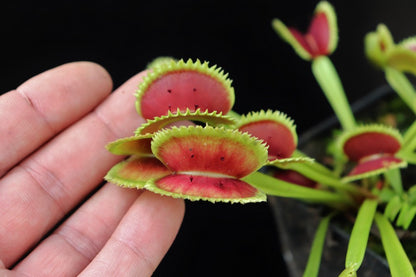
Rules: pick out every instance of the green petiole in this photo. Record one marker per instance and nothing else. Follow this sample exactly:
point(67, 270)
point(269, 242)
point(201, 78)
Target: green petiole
point(327, 77)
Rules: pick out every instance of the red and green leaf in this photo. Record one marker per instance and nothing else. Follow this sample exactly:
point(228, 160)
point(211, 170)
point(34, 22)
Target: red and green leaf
point(209, 150)
point(374, 165)
point(275, 129)
point(321, 37)
point(171, 85)
point(367, 140)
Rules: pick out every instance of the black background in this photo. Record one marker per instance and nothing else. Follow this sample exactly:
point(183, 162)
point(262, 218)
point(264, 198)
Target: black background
point(123, 36)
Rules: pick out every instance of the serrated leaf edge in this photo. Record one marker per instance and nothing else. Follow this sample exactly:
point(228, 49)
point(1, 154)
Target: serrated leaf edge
point(187, 115)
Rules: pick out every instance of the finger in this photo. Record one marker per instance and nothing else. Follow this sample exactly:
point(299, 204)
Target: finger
point(37, 193)
point(142, 238)
point(77, 241)
point(46, 104)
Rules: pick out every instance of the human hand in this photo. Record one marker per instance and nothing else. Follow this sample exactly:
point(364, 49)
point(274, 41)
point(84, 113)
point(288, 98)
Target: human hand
point(53, 219)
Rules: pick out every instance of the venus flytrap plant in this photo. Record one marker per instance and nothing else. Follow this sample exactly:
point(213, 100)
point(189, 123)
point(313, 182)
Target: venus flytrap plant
point(369, 155)
point(194, 146)
point(218, 161)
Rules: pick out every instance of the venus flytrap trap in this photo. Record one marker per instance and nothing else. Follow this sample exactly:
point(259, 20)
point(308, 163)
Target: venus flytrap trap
point(202, 161)
point(277, 130)
point(321, 38)
point(185, 85)
point(316, 45)
point(373, 149)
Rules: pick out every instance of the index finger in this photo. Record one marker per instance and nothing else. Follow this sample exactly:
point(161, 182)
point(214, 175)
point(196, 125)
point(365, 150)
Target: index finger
point(45, 105)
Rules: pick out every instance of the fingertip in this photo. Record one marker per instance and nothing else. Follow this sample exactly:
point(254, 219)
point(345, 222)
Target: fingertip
point(93, 71)
point(97, 69)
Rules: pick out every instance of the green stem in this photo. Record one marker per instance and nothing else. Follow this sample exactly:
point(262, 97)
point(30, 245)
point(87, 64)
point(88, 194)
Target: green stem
point(276, 187)
point(359, 235)
point(327, 77)
point(314, 260)
point(399, 82)
point(396, 256)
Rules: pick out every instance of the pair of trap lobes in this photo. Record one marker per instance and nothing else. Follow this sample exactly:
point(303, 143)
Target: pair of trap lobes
point(196, 162)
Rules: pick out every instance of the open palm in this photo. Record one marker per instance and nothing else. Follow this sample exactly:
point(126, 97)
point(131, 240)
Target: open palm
point(55, 218)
